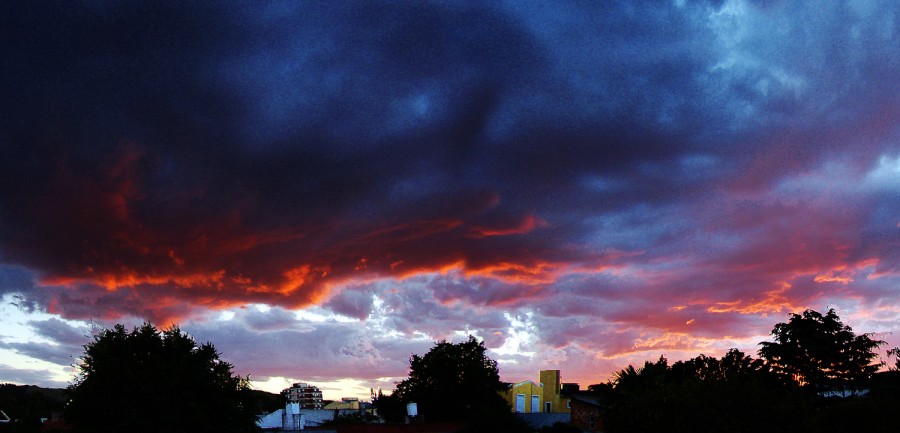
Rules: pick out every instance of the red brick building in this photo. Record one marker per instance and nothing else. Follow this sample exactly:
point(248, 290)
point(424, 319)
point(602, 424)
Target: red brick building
point(586, 411)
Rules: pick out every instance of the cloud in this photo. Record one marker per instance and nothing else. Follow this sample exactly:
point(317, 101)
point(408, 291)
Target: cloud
point(30, 376)
point(60, 332)
point(634, 176)
point(54, 354)
point(315, 351)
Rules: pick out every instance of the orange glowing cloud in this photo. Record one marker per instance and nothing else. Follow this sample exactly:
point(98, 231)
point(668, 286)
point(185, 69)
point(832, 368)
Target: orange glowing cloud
point(834, 277)
point(540, 273)
point(773, 301)
point(113, 282)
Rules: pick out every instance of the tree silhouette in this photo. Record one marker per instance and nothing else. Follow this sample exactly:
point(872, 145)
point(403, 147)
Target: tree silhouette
point(895, 352)
point(389, 407)
point(151, 381)
point(704, 394)
point(457, 382)
point(820, 352)
point(740, 394)
point(640, 398)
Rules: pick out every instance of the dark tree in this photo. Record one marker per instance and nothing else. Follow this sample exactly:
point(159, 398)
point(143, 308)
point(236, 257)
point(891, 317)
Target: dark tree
point(651, 374)
point(389, 407)
point(895, 352)
point(704, 394)
point(735, 366)
point(820, 352)
point(640, 399)
point(454, 382)
point(151, 381)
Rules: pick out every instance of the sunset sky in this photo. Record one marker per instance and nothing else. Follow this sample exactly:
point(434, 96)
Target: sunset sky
point(321, 190)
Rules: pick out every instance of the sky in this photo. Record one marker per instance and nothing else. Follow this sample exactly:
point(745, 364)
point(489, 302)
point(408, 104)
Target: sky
point(322, 190)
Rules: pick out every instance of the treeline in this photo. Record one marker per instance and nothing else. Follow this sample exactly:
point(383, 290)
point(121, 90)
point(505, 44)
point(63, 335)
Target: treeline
point(739, 394)
point(817, 376)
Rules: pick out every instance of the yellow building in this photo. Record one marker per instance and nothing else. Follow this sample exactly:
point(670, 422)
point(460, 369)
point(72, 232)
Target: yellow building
point(545, 396)
point(525, 396)
point(346, 403)
point(554, 401)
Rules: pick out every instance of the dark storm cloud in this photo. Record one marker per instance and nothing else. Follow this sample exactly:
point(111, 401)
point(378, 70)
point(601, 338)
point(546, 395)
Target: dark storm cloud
point(129, 159)
point(15, 279)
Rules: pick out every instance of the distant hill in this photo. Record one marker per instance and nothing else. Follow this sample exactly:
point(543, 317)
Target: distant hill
point(267, 402)
point(29, 403)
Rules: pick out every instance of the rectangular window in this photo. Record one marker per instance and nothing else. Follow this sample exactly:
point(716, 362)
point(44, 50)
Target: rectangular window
point(520, 403)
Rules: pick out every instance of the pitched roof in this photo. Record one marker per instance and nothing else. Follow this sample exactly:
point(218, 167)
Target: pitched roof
point(590, 399)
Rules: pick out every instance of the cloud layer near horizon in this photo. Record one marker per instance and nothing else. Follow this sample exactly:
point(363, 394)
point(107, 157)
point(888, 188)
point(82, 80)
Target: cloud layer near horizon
point(575, 184)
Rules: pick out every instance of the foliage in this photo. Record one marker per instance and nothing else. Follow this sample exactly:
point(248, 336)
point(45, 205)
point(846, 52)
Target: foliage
point(454, 382)
point(629, 380)
point(885, 385)
point(820, 352)
point(703, 394)
point(637, 398)
point(389, 407)
point(895, 352)
point(740, 394)
point(870, 415)
point(735, 366)
point(151, 381)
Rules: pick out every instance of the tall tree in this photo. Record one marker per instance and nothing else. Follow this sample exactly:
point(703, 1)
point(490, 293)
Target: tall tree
point(147, 381)
point(453, 382)
point(819, 351)
point(639, 399)
point(389, 407)
point(630, 380)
